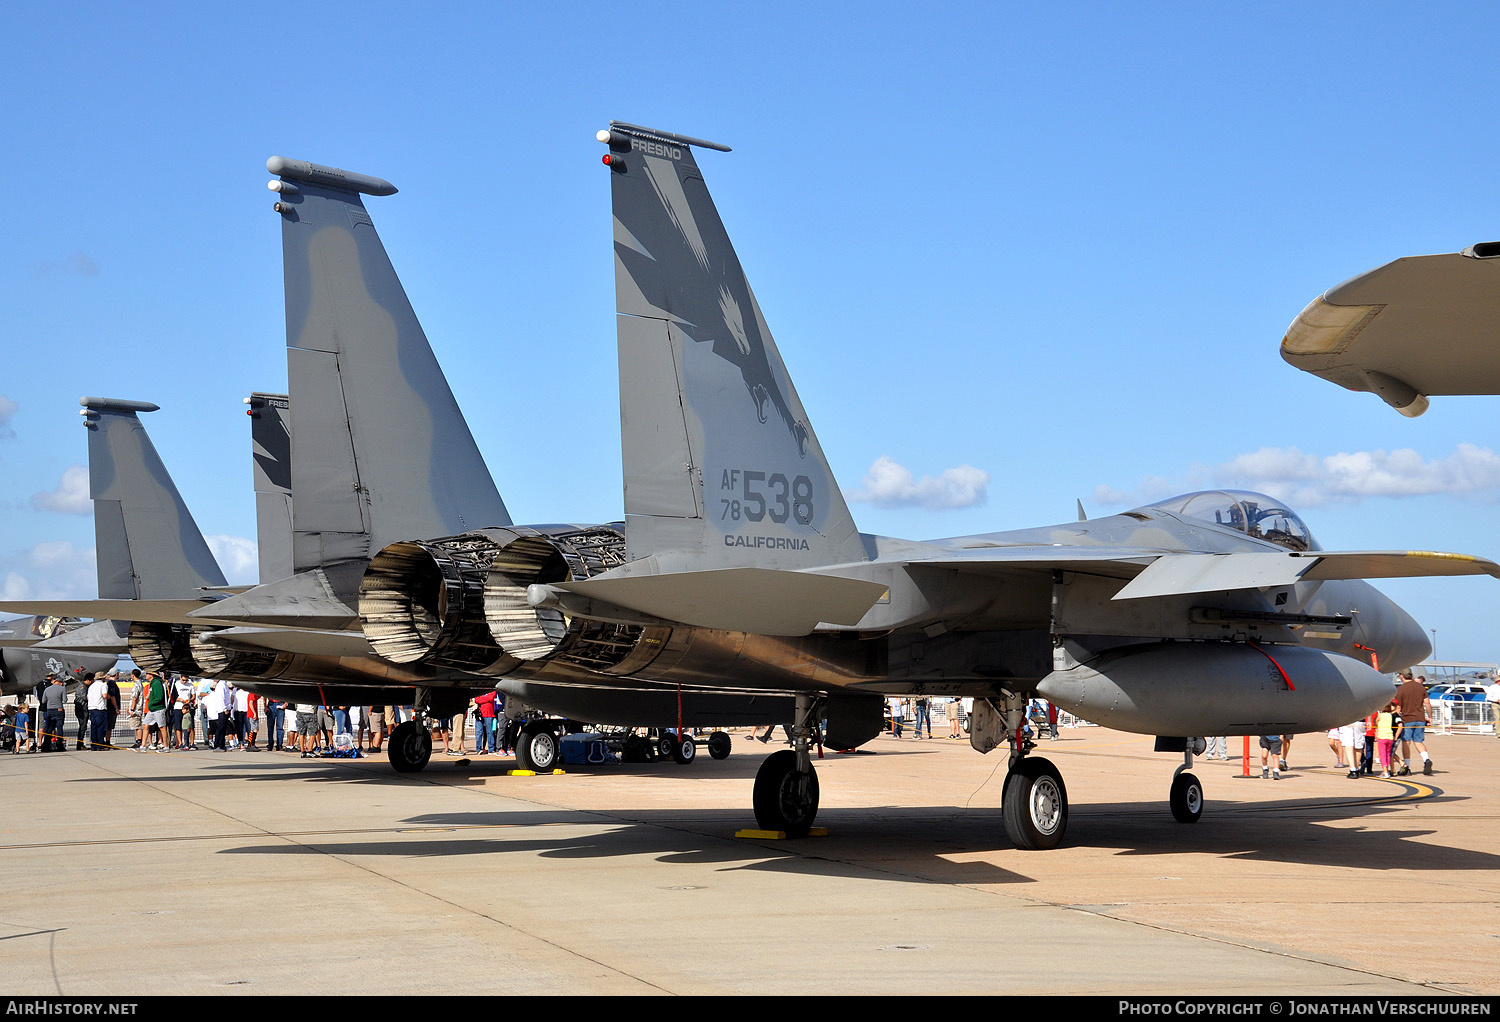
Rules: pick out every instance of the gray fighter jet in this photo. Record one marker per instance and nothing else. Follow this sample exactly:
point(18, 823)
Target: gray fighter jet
point(369, 448)
point(26, 657)
point(1413, 328)
point(741, 568)
point(147, 547)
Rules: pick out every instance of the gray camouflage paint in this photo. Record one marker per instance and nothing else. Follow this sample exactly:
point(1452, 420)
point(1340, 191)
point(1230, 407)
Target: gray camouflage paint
point(380, 449)
point(734, 434)
point(148, 546)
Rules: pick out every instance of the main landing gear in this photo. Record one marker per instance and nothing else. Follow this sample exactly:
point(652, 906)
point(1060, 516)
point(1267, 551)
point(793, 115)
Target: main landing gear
point(786, 785)
point(409, 746)
point(1035, 804)
point(1034, 800)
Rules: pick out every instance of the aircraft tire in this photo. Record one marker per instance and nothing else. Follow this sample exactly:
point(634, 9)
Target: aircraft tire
point(1186, 798)
point(522, 750)
point(719, 744)
point(409, 747)
point(543, 749)
point(666, 746)
point(685, 751)
point(785, 799)
point(1035, 805)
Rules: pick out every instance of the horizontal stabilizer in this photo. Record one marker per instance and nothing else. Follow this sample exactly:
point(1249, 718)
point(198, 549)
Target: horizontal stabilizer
point(764, 601)
point(1177, 574)
point(306, 600)
point(292, 640)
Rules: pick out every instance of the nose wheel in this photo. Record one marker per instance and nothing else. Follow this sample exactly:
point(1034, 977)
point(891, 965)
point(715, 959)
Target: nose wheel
point(1186, 797)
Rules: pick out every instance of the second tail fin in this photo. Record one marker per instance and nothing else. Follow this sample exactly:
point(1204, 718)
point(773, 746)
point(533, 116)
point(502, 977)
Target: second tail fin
point(380, 451)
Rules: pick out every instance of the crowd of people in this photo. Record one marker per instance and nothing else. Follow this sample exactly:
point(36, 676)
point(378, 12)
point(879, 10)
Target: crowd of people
point(174, 713)
point(1386, 737)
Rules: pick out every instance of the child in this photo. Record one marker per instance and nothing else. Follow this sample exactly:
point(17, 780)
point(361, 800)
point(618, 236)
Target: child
point(22, 724)
point(1386, 729)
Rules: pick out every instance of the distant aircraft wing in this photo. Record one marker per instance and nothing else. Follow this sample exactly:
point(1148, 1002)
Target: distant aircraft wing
point(155, 611)
point(1414, 327)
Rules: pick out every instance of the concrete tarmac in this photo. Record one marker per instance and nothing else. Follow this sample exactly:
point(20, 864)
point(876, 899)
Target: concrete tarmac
point(207, 873)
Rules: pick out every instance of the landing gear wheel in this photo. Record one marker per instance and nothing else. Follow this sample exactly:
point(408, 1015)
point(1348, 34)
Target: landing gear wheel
point(1035, 805)
point(685, 751)
point(522, 750)
point(785, 799)
point(543, 750)
point(718, 745)
point(666, 746)
point(410, 747)
point(1186, 798)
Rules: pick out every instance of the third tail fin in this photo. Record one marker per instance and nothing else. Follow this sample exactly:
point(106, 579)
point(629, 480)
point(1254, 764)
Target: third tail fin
point(147, 544)
point(380, 450)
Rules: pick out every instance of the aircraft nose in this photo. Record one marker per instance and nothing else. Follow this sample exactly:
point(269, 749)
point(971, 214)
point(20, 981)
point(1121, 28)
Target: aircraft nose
point(1408, 644)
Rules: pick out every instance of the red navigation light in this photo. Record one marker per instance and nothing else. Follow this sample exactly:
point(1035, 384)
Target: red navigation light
point(606, 159)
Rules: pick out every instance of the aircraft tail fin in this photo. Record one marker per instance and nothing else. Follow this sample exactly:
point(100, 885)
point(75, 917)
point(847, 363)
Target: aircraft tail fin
point(148, 546)
point(380, 451)
point(722, 468)
point(271, 454)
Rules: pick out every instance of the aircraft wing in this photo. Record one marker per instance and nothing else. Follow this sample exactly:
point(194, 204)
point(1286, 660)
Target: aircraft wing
point(1413, 327)
point(1176, 574)
point(762, 600)
point(776, 602)
point(155, 611)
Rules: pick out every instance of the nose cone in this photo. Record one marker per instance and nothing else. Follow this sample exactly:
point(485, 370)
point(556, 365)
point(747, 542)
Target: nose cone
point(1405, 642)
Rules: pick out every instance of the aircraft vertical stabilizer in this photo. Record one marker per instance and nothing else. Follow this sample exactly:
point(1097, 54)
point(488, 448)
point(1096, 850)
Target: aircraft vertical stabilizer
point(722, 468)
point(271, 454)
point(381, 452)
point(148, 546)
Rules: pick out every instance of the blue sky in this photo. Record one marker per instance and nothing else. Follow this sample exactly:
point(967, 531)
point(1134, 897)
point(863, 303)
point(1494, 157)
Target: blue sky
point(1049, 252)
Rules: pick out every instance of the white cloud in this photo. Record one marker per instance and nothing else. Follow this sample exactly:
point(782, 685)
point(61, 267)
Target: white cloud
point(8, 410)
point(238, 556)
point(49, 571)
point(888, 484)
point(71, 495)
point(1308, 480)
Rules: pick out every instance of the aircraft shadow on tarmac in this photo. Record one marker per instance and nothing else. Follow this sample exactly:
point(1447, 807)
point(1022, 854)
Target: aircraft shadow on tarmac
point(919, 844)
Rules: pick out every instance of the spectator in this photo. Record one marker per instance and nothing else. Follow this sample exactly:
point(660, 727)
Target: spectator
point(1416, 711)
point(137, 708)
point(98, 712)
point(54, 698)
point(486, 723)
point(81, 710)
point(250, 722)
point(275, 725)
point(307, 728)
point(21, 722)
point(1270, 749)
point(182, 713)
point(377, 727)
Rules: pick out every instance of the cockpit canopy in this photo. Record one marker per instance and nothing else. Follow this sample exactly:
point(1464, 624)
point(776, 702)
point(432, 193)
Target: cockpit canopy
point(1254, 514)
